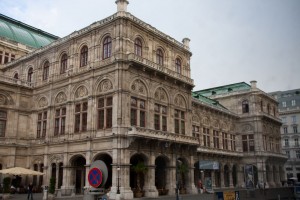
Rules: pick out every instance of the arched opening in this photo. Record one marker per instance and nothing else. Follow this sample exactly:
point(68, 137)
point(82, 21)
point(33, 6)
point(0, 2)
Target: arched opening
point(137, 173)
point(226, 176)
point(234, 175)
point(108, 162)
point(78, 173)
point(197, 173)
point(161, 176)
point(182, 170)
point(274, 174)
point(268, 173)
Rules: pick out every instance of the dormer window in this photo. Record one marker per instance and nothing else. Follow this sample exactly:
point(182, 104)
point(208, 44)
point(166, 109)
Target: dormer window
point(245, 106)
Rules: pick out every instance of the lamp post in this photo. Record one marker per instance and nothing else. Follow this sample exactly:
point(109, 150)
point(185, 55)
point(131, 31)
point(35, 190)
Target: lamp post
point(118, 188)
point(177, 189)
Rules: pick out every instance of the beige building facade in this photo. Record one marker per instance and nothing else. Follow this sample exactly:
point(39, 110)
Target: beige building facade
point(119, 91)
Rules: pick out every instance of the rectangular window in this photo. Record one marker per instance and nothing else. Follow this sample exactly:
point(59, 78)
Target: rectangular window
point(286, 142)
point(6, 58)
point(206, 137)
point(293, 102)
point(298, 154)
point(294, 119)
point(248, 143)
point(216, 139)
point(60, 121)
point(295, 129)
point(160, 117)
point(195, 130)
point(138, 112)
point(284, 104)
point(283, 119)
point(285, 130)
point(296, 142)
point(179, 121)
point(42, 124)
point(104, 113)
point(3, 118)
point(232, 142)
point(288, 154)
point(12, 57)
point(81, 117)
point(225, 141)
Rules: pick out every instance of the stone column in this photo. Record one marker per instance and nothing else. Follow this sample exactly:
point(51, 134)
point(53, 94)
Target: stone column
point(222, 179)
point(38, 177)
point(56, 175)
point(213, 179)
point(149, 188)
point(230, 177)
point(240, 176)
point(191, 188)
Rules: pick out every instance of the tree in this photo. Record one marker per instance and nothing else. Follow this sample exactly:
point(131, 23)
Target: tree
point(140, 169)
point(6, 184)
point(52, 185)
point(182, 170)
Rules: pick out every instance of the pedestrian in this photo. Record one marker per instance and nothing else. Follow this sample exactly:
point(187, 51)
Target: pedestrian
point(30, 187)
point(200, 186)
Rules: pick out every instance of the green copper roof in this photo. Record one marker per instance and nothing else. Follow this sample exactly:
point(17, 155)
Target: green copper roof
point(23, 33)
point(208, 101)
point(236, 87)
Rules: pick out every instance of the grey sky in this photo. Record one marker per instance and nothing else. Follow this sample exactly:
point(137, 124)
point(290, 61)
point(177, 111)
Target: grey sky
point(231, 40)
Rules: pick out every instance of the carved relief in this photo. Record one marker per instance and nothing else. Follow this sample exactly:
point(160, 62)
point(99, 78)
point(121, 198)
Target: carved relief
point(179, 101)
point(56, 158)
point(161, 95)
point(61, 97)
point(195, 118)
point(81, 92)
point(3, 100)
point(205, 121)
point(105, 86)
point(139, 87)
point(247, 128)
point(43, 102)
point(215, 123)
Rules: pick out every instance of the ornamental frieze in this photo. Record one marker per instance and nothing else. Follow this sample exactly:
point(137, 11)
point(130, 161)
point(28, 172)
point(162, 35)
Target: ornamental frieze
point(81, 92)
point(105, 86)
point(61, 97)
point(138, 87)
point(161, 95)
point(43, 102)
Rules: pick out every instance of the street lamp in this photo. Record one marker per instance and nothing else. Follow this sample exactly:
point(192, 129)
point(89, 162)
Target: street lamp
point(177, 189)
point(118, 188)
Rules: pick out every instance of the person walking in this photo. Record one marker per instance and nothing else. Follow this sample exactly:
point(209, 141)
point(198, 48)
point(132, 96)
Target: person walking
point(30, 187)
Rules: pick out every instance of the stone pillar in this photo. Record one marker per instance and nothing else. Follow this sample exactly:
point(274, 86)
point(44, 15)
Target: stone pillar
point(38, 177)
point(56, 175)
point(171, 185)
point(149, 188)
point(213, 179)
point(240, 176)
point(230, 177)
point(222, 179)
point(191, 188)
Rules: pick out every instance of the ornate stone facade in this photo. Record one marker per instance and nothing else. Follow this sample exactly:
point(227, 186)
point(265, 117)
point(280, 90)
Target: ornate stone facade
point(124, 103)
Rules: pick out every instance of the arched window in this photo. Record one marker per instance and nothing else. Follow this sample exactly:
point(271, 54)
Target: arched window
point(178, 65)
point(107, 47)
point(29, 74)
point(63, 63)
point(138, 47)
point(46, 70)
point(245, 106)
point(16, 76)
point(83, 56)
point(159, 57)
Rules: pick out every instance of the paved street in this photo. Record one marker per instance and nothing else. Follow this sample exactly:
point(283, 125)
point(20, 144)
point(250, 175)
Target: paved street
point(39, 196)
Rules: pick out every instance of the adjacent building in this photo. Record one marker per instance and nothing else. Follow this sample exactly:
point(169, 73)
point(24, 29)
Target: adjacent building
point(120, 91)
point(289, 112)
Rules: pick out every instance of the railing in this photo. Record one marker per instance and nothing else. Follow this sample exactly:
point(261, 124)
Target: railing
point(153, 65)
point(161, 135)
point(11, 80)
point(219, 151)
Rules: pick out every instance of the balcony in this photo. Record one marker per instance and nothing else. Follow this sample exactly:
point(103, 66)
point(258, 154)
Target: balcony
point(11, 80)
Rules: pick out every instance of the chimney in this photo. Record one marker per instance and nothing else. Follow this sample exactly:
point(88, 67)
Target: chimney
point(253, 84)
point(122, 5)
point(186, 43)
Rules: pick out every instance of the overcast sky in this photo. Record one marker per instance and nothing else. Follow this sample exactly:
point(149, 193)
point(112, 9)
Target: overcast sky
point(231, 40)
